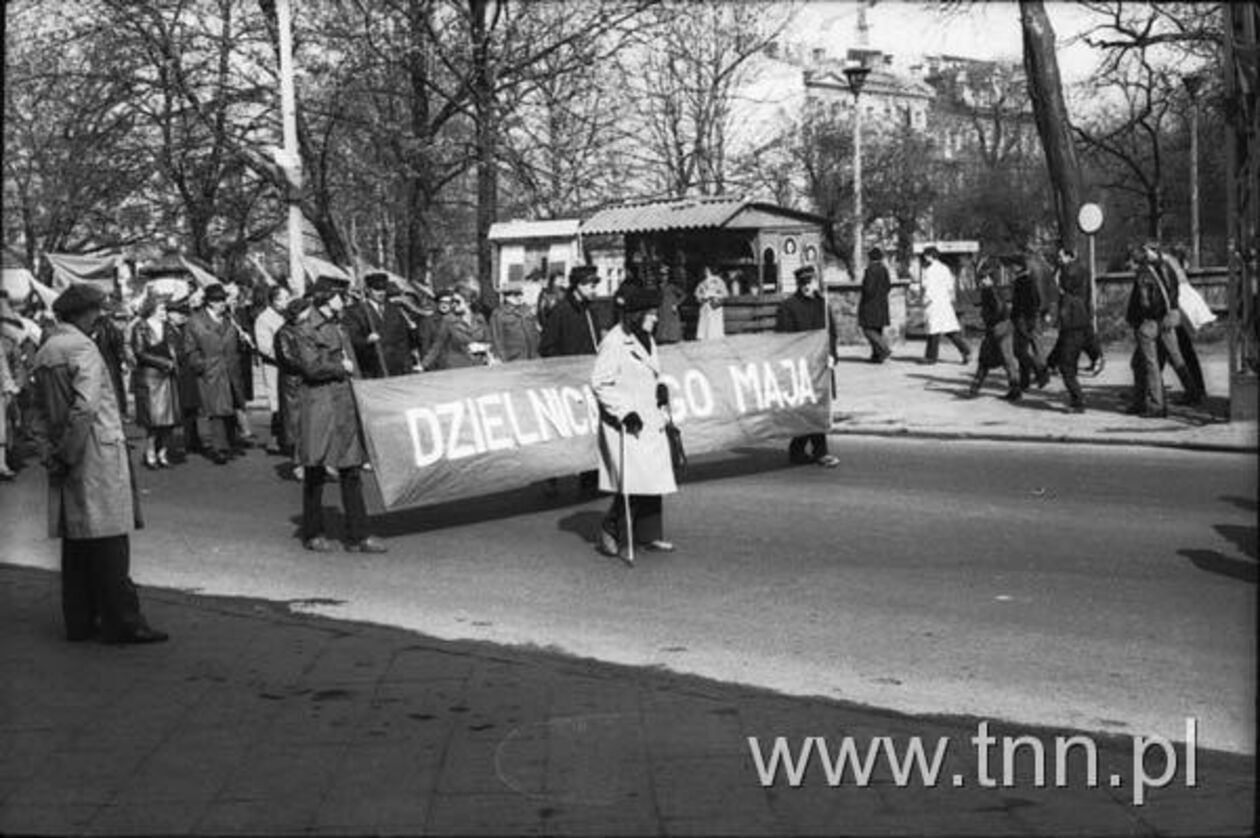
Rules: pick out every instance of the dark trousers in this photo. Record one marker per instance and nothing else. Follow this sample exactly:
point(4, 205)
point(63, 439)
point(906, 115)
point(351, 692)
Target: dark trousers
point(1072, 342)
point(1192, 378)
point(816, 442)
point(934, 346)
point(879, 346)
point(351, 482)
point(95, 587)
point(192, 437)
point(1027, 350)
point(998, 348)
point(1148, 382)
point(647, 514)
point(219, 433)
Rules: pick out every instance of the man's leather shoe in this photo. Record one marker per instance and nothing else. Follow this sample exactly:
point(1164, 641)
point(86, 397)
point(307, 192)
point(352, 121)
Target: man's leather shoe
point(1013, 395)
point(660, 546)
point(371, 544)
point(138, 635)
point(218, 458)
point(318, 544)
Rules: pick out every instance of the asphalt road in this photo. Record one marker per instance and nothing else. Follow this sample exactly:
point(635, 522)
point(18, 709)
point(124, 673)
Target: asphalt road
point(1096, 587)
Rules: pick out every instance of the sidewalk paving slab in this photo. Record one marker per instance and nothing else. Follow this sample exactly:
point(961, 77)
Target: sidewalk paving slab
point(202, 736)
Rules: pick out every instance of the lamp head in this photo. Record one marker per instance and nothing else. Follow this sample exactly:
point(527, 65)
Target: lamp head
point(855, 75)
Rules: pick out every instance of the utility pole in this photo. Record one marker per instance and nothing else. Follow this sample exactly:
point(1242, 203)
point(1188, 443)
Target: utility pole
point(291, 160)
point(856, 75)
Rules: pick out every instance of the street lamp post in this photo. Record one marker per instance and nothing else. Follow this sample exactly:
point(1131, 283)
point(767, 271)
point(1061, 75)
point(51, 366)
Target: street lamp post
point(855, 75)
point(1192, 83)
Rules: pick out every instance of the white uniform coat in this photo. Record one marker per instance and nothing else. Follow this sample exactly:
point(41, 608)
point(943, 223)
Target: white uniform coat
point(938, 300)
point(624, 381)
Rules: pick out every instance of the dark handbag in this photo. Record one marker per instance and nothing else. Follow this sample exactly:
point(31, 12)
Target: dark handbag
point(677, 454)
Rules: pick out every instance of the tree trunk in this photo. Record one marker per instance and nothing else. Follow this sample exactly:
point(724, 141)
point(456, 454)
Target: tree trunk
point(413, 251)
point(1045, 88)
point(487, 173)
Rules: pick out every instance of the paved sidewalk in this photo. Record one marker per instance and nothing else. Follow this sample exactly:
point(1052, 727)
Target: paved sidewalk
point(907, 397)
point(256, 720)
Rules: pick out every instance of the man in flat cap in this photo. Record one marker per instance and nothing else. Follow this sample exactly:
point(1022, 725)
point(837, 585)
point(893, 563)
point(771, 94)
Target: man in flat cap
point(382, 336)
point(92, 502)
point(329, 435)
point(805, 311)
point(210, 346)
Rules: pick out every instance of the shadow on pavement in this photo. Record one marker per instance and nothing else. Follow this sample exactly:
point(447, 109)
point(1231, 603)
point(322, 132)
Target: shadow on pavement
point(1216, 562)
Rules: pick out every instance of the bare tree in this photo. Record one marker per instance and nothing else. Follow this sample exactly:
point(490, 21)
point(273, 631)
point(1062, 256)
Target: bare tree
point(684, 80)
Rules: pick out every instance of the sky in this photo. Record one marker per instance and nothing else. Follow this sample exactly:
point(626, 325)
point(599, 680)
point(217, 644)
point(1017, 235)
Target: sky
point(978, 30)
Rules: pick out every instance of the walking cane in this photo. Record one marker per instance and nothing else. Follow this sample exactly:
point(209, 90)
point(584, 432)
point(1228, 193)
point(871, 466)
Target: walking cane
point(625, 499)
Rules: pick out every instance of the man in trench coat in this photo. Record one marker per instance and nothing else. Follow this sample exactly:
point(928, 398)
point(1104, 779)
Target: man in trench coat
point(210, 345)
point(92, 505)
point(328, 428)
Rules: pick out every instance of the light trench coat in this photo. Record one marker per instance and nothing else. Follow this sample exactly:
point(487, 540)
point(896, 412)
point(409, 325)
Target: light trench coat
point(938, 300)
point(79, 426)
point(711, 293)
point(624, 381)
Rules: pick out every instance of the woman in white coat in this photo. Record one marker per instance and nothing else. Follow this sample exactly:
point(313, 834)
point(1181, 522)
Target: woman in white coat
point(711, 294)
point(938, 307)
point(634, 458)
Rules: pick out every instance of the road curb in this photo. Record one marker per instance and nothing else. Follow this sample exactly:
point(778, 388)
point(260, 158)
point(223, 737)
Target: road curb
point(904, 433)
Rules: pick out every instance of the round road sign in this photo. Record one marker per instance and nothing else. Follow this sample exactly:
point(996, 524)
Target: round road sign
point(1089, 218)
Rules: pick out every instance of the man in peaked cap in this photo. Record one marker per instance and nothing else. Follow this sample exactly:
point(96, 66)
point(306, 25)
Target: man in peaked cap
point(806, 311)
point(383, 338)
point(93, 503)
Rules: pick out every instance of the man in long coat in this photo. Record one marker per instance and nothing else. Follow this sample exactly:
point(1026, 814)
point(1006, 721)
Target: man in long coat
point(872, 313)
point(1027, 314)
point(328, 430)
point(92, 504)
point(210, 346)
point(382, 336)
point(805, 311)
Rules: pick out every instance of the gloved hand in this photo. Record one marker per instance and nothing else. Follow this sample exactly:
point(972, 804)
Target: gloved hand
point(633, 423)
point(662, 394)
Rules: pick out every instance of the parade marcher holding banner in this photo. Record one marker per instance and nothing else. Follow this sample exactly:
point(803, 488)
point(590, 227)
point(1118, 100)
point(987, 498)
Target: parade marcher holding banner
point(92, 501)
point(210, 344)
point(268, 322)
point(634, 455)
point(380, 333)
point(514, 330)
point(329, 435)
point(805, 311)
point(155, 382)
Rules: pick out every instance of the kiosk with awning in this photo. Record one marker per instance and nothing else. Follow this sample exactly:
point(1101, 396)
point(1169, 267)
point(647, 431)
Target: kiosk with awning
point(756, 245)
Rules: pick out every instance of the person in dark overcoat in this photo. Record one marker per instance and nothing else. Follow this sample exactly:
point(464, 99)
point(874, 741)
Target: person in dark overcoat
point(569, 328)
point(997, 348)
point(462, 339)
point(155, 382)
point(289, 377)
point(329, 435)
point(872, 312)
point(806, 311)
point(112, 343)
point(1026, 317)
point(210, 345)
point(92, 499)
point(382, 336)
point(1076, 335)
point(513, 326)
